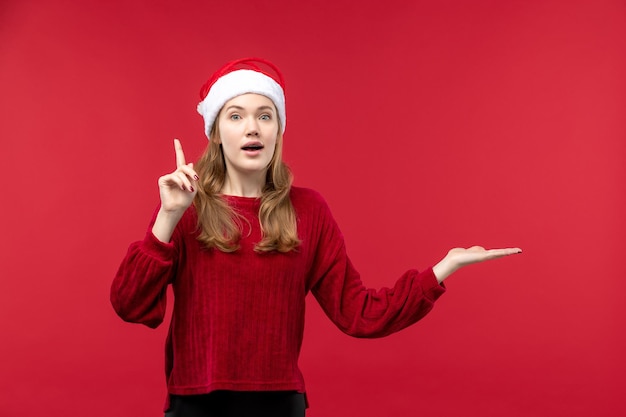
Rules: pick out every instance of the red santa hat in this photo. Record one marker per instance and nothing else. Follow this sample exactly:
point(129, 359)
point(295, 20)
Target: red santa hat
point(246, 75)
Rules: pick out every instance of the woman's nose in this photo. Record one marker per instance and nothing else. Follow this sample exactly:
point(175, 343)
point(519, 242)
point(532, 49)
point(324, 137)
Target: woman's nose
point(252, 127)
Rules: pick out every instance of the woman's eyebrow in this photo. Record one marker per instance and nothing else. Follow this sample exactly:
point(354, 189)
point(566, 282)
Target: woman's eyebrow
point(241, 108)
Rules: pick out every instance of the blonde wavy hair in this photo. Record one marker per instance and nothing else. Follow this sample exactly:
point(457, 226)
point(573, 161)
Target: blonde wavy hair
point(221, 227)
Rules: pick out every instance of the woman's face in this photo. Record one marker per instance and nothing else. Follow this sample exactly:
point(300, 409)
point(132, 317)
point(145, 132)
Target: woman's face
point(248, 128)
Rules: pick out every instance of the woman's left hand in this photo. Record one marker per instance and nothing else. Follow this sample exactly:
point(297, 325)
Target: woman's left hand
point(460, 257)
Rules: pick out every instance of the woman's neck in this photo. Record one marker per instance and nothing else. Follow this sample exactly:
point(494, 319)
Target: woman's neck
point(244, 185)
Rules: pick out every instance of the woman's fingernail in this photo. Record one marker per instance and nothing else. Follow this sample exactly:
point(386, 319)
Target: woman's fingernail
point(195, 177)
point(191, 189)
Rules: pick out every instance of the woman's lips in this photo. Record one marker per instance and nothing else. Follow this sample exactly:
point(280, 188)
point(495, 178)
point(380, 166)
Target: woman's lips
point(252, 148)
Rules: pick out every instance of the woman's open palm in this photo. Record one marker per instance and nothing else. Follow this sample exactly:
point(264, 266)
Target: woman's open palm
point(460, 257)
point(475, 254)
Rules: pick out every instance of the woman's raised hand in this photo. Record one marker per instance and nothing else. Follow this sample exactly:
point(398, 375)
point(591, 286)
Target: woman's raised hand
point(178, 188)
point(460, 257)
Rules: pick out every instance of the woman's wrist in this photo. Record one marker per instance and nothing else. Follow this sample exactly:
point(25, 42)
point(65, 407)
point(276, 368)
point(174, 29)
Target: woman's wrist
point(443, 269)
point(165, 224)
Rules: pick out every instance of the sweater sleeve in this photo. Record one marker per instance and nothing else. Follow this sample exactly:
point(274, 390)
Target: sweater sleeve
point(364, 312)
point(138, 291)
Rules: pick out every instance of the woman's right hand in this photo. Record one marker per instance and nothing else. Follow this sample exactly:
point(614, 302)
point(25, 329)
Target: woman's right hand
point(177, 190)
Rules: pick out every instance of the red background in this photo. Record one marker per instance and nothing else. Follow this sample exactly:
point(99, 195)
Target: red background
point(426, 125)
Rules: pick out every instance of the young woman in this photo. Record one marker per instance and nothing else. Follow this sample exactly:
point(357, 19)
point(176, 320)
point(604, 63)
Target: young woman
point(241, 248)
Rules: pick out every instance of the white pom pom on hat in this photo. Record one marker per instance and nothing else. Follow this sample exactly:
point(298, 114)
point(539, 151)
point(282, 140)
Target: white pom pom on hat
point(242, 76)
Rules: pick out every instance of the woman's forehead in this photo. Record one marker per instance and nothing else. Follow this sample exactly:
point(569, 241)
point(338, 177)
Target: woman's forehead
point(250, 100)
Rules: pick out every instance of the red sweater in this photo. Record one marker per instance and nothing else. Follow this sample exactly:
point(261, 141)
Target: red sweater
point(238, 317)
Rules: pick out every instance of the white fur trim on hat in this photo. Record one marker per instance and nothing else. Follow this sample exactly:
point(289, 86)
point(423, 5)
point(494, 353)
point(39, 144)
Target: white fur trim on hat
point(235, 84)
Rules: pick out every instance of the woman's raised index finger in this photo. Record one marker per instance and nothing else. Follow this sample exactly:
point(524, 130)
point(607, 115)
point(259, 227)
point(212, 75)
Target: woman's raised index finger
point(180, 155)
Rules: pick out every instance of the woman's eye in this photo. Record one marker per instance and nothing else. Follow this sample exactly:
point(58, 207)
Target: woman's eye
point(265, 117)
point(235, 117)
